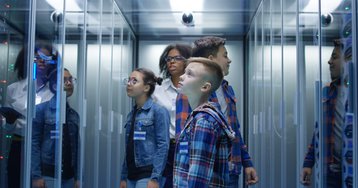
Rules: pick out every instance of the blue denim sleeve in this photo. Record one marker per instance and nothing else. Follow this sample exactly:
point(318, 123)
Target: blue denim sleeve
point(124, 173)
point(162, 121)
point(37, 132)
point(76, 144)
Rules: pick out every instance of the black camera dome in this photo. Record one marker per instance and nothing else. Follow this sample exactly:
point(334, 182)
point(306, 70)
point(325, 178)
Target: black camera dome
point(187, 18)
point(326, 19)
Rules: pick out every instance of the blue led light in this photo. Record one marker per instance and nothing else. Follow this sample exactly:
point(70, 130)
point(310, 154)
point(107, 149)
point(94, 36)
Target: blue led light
point(35, 67)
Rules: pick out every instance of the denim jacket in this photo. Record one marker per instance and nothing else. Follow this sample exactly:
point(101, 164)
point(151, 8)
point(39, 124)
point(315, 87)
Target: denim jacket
point(154, 120)
point(45, 136)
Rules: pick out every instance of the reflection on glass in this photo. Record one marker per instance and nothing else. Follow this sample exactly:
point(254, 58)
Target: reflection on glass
point(334, 100)
point(45, 134)
point(15, 107)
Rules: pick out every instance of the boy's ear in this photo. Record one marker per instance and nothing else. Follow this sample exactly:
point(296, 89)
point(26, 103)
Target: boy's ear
point(206, 87)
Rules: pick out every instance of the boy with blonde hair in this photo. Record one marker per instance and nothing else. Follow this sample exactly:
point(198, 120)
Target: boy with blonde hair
point(203, 146)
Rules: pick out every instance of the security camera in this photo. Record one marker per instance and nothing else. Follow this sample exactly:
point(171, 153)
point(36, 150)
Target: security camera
point(326, 19)
point(188, 19)
point(56, 16)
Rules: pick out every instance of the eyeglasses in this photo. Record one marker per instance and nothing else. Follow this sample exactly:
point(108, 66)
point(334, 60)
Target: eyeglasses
point(70, 79)
point(130, 81)
point(45, 58)
point(175, 58)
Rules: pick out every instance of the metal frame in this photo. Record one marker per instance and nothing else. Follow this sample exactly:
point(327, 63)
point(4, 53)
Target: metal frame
point(355, 90)
point(26, 178)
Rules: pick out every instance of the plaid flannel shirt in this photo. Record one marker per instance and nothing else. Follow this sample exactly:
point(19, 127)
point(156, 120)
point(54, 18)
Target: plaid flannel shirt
point(329, 99)
point(239, 154)
point(202, 150)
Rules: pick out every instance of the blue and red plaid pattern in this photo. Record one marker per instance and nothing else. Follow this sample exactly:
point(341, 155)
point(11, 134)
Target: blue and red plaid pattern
point(329, 99)
point(202, 150)
point(239, 154)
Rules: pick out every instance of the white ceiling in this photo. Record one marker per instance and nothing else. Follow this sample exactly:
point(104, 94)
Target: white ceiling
point(156, 19)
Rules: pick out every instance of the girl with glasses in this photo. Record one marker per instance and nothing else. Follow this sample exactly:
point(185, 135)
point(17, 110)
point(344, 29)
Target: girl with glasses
point(147, 134)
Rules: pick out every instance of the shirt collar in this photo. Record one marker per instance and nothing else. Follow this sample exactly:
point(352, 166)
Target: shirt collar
point(148, 104)
point(168, 84)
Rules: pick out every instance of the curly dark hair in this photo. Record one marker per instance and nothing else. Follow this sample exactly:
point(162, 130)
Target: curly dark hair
point(184, 50)
point(206, 46)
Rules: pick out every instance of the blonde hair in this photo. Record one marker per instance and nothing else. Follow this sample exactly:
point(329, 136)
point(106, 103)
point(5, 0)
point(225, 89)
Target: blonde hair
point(214, 70)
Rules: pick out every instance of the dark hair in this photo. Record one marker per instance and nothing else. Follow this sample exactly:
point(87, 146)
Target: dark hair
point(213, 69)
point(52, 78)
point(150, 79)
point(206, 46)
point(347, 53)
point(184, 50)
point(20, 63)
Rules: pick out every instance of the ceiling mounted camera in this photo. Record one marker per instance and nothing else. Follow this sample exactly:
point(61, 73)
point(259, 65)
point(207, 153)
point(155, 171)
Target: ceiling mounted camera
point(188, 19)
point(56, 16)
point(326, 19)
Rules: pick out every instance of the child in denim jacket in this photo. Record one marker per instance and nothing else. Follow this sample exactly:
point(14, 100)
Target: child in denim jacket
point(147, 134)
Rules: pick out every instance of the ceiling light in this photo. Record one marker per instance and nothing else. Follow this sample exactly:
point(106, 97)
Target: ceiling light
point(71, 5)
point(187, 5)
point(312, 6)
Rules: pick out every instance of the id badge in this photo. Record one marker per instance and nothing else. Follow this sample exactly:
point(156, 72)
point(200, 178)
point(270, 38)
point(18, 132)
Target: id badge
point(183, 148)
point(139, 135)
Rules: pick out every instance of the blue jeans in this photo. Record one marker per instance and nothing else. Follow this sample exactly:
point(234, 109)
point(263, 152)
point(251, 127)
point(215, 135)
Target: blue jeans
point(168, 172)
point(50, 182)
point(142, 183)
point(234, 181)
point(333, 180)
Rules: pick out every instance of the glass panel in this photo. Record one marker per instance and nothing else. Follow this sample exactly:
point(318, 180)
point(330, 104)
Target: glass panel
point(250, 82)
point(14, 48)
point(93, 42)
point(267, 175)
point(251, 106)
point(290, 94)
point(118, 90)
point(105, 71)
point(337, 111)
point(309, 73)
point(277, 102)
point(50, 161)
point(74, 64)
point(259, 145)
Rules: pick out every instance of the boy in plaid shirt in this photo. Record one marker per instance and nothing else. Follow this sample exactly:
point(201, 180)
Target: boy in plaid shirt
point(203, 146)
point(214, 49)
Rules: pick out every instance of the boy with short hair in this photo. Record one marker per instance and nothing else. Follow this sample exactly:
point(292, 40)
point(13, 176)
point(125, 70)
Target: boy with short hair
point(203, 146)
point(213, 48)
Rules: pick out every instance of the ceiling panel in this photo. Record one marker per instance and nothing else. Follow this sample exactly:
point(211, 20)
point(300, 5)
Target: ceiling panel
point(155, 18)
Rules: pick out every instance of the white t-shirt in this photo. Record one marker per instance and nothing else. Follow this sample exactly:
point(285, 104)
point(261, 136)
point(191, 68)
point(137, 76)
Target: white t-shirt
point(16, 98)
point(165, 95)
point(221, 98)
